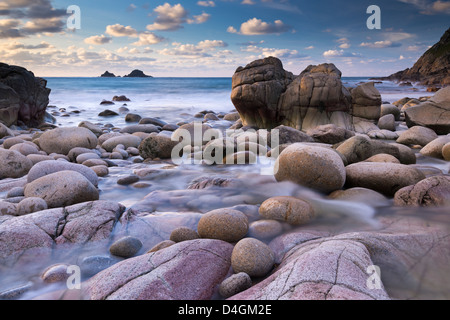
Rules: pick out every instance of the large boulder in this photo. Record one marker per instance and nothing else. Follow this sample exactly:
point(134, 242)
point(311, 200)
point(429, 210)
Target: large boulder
point(62, 140)
point(62, 189)
point(433, 114)
point(318, 168)
point(24, 97)
point(266, 96)
point(188, 270)
point(433, 191)
point(256, 91)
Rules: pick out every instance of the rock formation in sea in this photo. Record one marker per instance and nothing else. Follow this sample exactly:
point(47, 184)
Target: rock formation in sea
point(24, 97)
point(108, 74)
point(137, 74)
point(433, 68)
point(267, 96)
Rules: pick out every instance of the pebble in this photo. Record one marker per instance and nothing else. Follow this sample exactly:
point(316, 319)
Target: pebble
point(287, 209)
point(223, 224)
point(183, 234)
point(253, 257)
point(162, 245)
point(56, 273)
point(125, 181)
point(265, 229)
point(31, 205)
point(235, 284)
point(126, 247)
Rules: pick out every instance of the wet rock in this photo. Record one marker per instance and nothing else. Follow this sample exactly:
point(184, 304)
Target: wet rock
point(92, 127)
point(86, 156)
point(326, 171)
point(36, 158)
point(31, 205)
point(183, 234)
point(387, 122)
point(417, 135)
point(288, 135)
point(126, 140)
point(386, 178)
point(108, 113)
point(435, 148)
point(63, 188)
point(13, 164)
point(382, 157)
point(235, 284)
point(223, 224)
point(446, 152)
point(26, 148)
point(15, 192)
point(146, 128)
point(55, 273)
point(188, 270)
point(92, 265)
point(34, 237)
point(252, 257)
point(287, 209)
point(8, 143)
point(390, 109)
point(75, 152)
point(120, 99)
point(125, 181)
point(363, 195)
point(433, 191)
point(62, 140)
point(7, 208)
point(126, 247)
point(265, 229)
point(100, 171)
point(330, 134)
point(194, 134)
point(153, 121)
point(45, 168)
point(157, 146)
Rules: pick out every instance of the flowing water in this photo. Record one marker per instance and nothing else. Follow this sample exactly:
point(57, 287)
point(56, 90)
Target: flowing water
point(178, 99)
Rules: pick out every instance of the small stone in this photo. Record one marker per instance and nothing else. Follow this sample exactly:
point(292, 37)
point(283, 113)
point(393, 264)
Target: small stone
point(446, 152)
point(265, 229)
point(417, 135)
point(92, 265)
point(15, 192)
point(131, 117)
point(31, 205)
point(183, 234)
point(100, 171)
point(235, 284)
point(108, 113)
point(252, 257)
point(223, 224)
point(287, 209)
point(126, 247)
point(434, 148)
point(56, 273)
point(382, 157)
point(125, 181)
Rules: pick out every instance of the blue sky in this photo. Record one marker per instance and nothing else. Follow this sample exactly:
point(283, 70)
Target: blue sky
point(214, 37)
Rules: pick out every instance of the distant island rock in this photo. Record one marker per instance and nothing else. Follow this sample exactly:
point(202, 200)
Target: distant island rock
point(137, 74)
point(433, 68)
point(108, 74)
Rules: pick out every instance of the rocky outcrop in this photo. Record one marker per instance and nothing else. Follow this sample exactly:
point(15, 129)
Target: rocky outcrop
point(23, 97)
point(108, 74)
point(433, 68)
point(433, 114)
point(137, 74)
point(267, 96)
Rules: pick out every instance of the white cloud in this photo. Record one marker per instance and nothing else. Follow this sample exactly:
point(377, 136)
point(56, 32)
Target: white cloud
point(202, 49)
point(199, 19)
point(98, 40)
point(309, 48)
point(206, 3)
point(258, 27)
point(340, 54)
point(148, 38)
point(118, 30)
point(380, 44)
point(168, 17)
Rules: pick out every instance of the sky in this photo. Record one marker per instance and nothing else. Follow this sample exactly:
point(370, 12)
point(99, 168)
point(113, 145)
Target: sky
point(212, 38)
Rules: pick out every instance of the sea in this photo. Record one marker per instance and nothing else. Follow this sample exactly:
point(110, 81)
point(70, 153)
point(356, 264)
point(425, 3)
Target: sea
point(169, 99)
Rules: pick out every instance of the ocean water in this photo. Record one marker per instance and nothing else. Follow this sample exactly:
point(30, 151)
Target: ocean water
point(170, 99)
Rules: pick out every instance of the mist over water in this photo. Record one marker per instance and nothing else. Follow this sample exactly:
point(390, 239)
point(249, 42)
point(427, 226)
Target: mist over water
point(178, 99)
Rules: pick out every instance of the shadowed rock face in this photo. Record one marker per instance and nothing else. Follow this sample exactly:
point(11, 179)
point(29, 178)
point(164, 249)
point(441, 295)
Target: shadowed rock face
point(266, 96)
point(24, 96)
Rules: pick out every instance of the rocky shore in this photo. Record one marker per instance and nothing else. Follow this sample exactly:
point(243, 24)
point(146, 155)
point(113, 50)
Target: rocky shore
point(353, 183)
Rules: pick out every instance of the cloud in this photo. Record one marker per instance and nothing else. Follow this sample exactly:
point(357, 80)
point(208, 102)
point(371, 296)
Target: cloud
point(18, 45)
point(428, 7)
point(273, 52)
point(202, 49)
point(168, 17)
point(98, 40)
point(340, 54)
point(206, 3)
point(309, 48)
point(148, 38)
point(118, 30)
point(258, 27)
point(380, 44)
point(199, 19)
